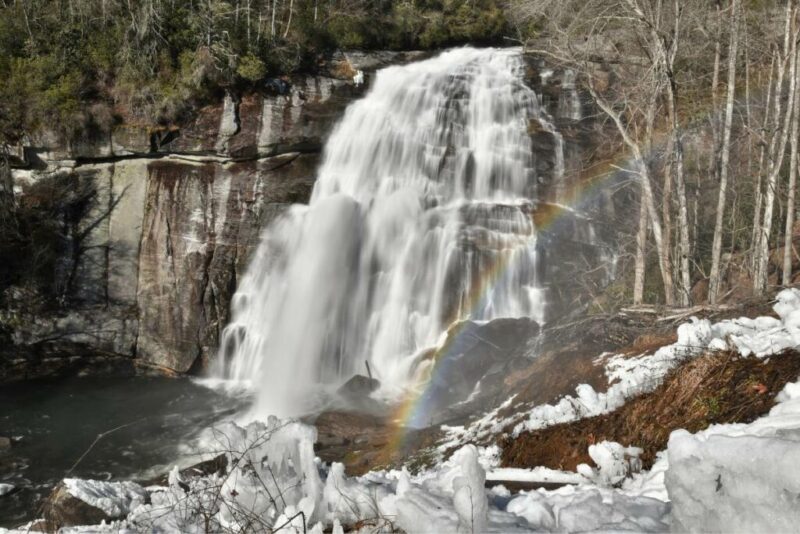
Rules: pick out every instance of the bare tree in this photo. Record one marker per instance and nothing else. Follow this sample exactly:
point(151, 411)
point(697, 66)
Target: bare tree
point(577, 36)
point(716, 248)
point(777, 144)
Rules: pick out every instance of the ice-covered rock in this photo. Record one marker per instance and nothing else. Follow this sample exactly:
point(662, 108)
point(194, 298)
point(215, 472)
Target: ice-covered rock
point(90, 502)
point(115, 499)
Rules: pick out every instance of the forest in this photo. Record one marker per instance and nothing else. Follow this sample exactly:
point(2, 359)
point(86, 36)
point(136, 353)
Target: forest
point(75, 63)
point(702, 96)
point(401, 266)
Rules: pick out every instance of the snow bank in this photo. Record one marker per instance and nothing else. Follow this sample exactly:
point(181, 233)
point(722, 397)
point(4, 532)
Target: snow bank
point(273, 482)
point(741, 477)
point(760, 337)
point(536, 474)
point(587, 509)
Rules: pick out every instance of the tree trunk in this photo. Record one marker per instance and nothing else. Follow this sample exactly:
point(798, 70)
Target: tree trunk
point(641, 235)
point(644, 177)
point(289, 21)
point(758, 192)
point(680, 184)
point(715, 114)
point(666, 194)
point(272, 24)
point(716, 247)
point(788, 248)
point(639, 262)
point(668, 57)
point(778, 147)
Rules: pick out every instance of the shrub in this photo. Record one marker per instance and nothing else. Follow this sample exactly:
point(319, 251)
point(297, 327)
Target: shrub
point(251, 68)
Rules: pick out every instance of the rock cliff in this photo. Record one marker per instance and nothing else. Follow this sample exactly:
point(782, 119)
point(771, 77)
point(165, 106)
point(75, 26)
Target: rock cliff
point(173, 216)
point(150, 267)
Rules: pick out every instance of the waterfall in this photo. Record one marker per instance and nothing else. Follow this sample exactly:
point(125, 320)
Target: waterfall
point(420, 216)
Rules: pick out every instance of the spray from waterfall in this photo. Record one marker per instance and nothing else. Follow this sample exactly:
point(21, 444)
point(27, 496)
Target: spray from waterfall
point(420, 217)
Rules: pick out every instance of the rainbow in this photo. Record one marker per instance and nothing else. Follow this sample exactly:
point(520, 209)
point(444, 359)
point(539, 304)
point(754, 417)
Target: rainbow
point(414, 410)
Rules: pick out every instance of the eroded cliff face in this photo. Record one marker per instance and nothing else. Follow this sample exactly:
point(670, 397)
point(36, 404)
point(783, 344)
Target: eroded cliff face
point(200, 223)
point(174, 214)
point(152, 266)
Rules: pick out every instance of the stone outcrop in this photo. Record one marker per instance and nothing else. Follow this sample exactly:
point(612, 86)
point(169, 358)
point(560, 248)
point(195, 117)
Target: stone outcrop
point(200, 223)
point(174, 216)
point(62, 509)
point(177, 211)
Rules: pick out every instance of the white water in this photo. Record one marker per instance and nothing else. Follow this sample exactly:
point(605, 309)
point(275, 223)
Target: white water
point(420, 216)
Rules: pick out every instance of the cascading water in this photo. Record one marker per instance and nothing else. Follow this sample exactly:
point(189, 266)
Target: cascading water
point(420, 217)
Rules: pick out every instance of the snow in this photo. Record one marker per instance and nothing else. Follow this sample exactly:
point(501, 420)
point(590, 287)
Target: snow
point(115, 499)
point(587, 508)
point(761, 337)
point(273, 481)
point(535, 475)
point(614, 463)
point(739, 477)
point(469, 496)
point(5, 488)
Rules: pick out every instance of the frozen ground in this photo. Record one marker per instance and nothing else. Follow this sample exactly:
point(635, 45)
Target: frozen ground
point(742, 477)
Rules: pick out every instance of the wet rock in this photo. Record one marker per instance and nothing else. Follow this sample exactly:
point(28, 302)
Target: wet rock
point(359, 386)
point(200, 225)
point(62, 509)
point(362, 441)
point(216, 465)
point(472, 364)
point(5, 443)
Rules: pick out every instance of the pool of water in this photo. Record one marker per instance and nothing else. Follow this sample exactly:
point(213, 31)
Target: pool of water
point(148, 421)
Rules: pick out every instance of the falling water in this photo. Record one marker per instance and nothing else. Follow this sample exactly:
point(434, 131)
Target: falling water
point(420, 216)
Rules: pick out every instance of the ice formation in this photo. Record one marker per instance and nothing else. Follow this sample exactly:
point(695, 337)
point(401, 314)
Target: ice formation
point(115, 499)
point(739, 477)
point(614, 463)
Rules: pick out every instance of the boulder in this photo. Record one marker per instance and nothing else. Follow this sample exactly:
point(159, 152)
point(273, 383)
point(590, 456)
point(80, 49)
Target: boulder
point(62, 509)
point(359, 386)
point(472, 363)
point(88, 502)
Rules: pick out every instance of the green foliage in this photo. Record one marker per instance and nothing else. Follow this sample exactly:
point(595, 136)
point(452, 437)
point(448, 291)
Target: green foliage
point(153, 61)
point(251, 68)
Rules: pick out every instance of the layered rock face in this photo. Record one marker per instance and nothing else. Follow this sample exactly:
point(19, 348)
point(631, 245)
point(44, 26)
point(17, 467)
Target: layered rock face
point(176, 213)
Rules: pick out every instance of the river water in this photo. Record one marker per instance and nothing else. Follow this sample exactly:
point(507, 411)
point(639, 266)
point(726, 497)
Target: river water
point(53, 423)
